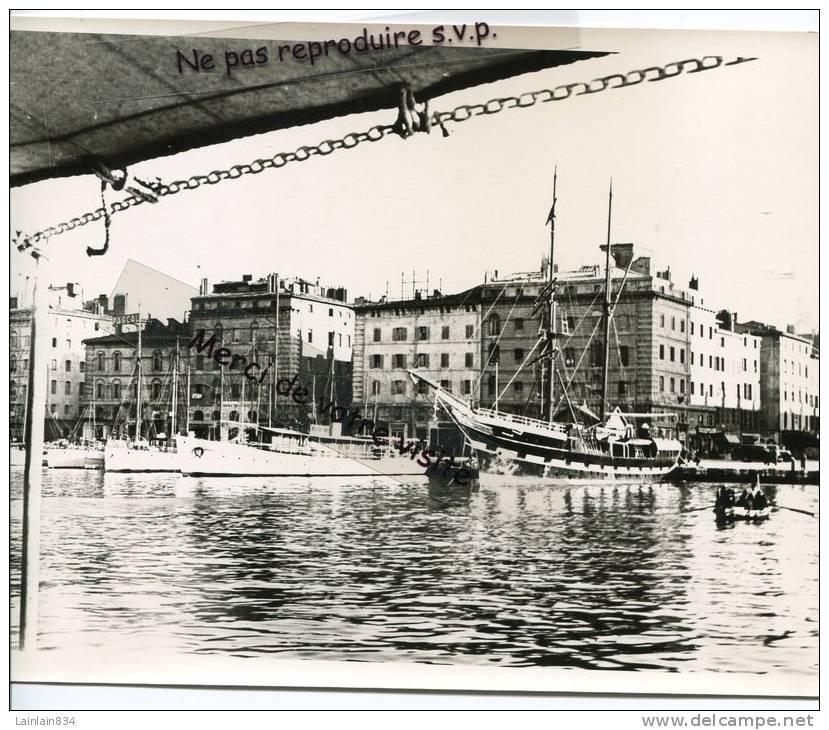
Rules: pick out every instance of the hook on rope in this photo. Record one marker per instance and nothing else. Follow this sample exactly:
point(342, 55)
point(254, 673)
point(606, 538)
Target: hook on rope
point(90, 251)
point(117, 179)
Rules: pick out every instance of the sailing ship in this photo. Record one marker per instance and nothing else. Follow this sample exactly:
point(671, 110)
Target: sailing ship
point(547, 451)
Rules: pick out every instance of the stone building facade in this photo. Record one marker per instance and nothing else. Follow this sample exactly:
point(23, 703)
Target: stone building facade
point(440, 335)
point(790, 396)
point(69, 324)
point(111, 385)
point(312, 336)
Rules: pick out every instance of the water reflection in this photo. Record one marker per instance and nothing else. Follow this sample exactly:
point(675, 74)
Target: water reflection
point(601, 577)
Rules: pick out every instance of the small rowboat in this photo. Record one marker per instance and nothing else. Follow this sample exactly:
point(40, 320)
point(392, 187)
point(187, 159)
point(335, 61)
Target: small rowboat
point(741, 514)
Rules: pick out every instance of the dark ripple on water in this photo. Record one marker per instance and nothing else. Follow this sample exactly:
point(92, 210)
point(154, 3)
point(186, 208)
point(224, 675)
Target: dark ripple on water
point(591, 577)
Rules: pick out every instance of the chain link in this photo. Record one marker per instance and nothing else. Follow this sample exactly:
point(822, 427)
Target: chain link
point(459, 114)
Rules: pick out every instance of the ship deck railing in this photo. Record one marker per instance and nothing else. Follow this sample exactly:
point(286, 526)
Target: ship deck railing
point(522, 420)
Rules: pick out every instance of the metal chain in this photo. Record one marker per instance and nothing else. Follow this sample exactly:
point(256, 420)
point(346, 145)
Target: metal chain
point(457, 115)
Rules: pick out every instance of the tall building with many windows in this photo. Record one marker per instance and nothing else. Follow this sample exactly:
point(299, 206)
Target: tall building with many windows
point(789, 363)
point(69, 323)
point(439, 335)
point(286, 326)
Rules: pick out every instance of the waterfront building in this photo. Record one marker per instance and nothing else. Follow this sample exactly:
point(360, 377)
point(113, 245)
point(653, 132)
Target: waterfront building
point(438, 334)
point(790, 399)
point(659, 359)
point(313, 334)
point(111, 383)
point(69, 323)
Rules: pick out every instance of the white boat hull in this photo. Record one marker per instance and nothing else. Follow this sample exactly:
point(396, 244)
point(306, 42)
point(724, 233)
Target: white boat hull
point(125, 458)
point(199, 457)
point(81, 458)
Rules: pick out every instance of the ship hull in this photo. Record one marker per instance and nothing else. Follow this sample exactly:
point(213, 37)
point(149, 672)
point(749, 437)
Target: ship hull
point(199, 457)
point(123, 458)
point(510, 452)
point(74, 458)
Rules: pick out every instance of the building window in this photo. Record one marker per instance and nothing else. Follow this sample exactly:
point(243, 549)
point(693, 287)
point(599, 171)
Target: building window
point(662, 352)
point(470, 330)
point(711, 389)
point(673, 385)
point(376, 361)
point(661, 320)
point(67, 388)
point(710, 333)
point(519, 324)
point(466, 387)
point(469, 360)
point(377, 334)
point(331, 339)
point(494, 325)
point(81, 389)
point(330, 311)
point(116, 362)
point(490, 385)
point(682, 356)
point(569, 357)
point(682, 385)
point(199, 362)
point(422, 360)
point(444, 359)
point(12, 364)
point(375, 387)
point(398, 387)
point(722, 341)
point(158, 361)
point(710, 361)
point(99, 390)
point(672, 354)
point(53, 409)
point(661, 383)
point(398, 334)
point(68, 366)
point(155, 390)
point(692, 387)
point(493, 354)
point(198, 415)
point(682, 325)
point(54, 342)
point(446, 385)
point(673, 323)
point(518, 354)
point(518, 388)
point(422, 333)
point(444, 333)
point(116, 389)
point(310, 336)
point(624, 355)
point(692, 328)
point(623, 387)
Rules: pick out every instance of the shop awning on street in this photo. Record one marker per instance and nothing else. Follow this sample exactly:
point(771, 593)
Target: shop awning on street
point(121, 99)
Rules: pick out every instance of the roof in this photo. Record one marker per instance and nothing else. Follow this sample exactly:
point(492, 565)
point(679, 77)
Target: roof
point(155, 333)
point(468, 296)
point(122, 99)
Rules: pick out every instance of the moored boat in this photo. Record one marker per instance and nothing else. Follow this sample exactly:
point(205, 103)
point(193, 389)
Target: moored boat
point(293, 453)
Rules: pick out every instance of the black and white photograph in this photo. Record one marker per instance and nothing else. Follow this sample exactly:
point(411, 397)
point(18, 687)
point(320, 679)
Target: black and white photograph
point(414, 356)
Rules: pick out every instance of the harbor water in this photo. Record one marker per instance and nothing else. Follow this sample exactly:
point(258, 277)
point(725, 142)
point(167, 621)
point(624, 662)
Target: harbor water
point(592, 577)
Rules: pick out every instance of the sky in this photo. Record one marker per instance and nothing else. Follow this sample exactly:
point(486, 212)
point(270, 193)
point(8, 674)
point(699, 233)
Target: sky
point(714, 174)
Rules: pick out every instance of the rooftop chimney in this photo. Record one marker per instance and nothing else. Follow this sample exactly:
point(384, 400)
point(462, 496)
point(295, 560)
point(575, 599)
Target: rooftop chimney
point(694, 283)
point(203, 287)
point(622, 254)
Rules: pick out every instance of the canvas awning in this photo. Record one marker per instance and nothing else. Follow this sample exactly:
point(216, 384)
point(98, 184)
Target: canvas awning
point(120, 99)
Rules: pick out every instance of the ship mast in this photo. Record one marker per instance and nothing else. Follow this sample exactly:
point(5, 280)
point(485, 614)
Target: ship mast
point(606, 307)
point(551, 331)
